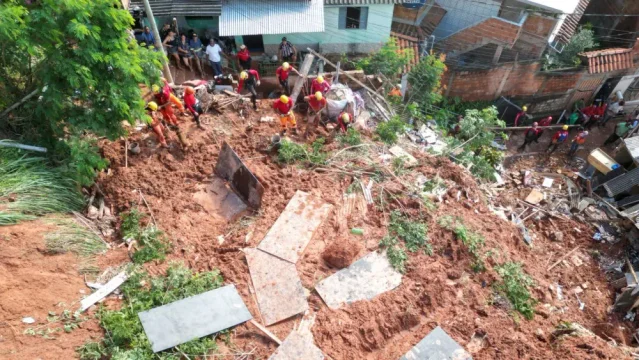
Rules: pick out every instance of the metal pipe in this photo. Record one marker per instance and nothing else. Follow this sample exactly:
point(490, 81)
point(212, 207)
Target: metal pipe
point(9, 143)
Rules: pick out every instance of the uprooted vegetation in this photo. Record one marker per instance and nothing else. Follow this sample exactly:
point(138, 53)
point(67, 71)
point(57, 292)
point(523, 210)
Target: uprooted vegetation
point(124, 335)
point(292, 152)
point(151, 242)
point(514, 285)
point(473, 241)
point(69, 236)
point(414, 236)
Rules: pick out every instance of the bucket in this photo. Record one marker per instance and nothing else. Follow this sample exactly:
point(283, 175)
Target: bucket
point(134, 148)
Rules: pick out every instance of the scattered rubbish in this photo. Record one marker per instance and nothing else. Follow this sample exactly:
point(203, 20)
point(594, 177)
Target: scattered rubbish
point(105, 290)
point(582, 305)
point(363, 280)
point(437, 345)
point(230, 168)
point(535, 197)
point(366, 190)
point(295, 227)
point(28, 320)
point(357, 231)
point(398, 152)
point(275, 280)
point(520, 224)
point(267, 119)
point(547, 182)
point(527, 178)
point(194, 317)
point(220, 240)
point(626, 300)
point(94, 285)
point(560, 293)
point(630, 280)
point(299, 344)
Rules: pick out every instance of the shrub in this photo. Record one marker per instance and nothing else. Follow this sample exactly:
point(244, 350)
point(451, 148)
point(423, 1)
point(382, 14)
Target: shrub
point(387, 131)
point(389, 60)
point(154, 243)
point(352, 137)
point(292, 152)
point(395, 254)
point(514, 285)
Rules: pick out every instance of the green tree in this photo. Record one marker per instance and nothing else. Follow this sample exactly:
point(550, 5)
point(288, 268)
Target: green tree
point(583, 40)
point(389, 60)
point(425, 81)
point(85, 69)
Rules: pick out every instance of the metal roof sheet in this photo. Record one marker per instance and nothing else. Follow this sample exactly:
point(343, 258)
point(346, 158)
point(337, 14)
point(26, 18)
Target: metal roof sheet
point(364, 2)
point(259, 17)
point(622, 183)
point(559, 6)
point(181, 7)
point(632, 144)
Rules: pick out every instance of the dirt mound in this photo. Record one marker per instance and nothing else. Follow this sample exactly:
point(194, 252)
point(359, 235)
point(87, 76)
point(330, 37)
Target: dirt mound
point(341, 253)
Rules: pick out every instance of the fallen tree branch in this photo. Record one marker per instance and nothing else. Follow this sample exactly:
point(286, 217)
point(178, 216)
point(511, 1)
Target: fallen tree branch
point(563, 258)
point(348, 148)
point(149, 207)
point(265, 331)
point(16, 105)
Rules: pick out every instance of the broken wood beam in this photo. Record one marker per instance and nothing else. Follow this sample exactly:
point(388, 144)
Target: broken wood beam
point(303, 74)
point(514, 128)
point(563, 258)
point(265, 331)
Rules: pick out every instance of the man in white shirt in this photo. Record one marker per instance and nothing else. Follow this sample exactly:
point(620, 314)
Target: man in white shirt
point(613, 110)
point(214, 52)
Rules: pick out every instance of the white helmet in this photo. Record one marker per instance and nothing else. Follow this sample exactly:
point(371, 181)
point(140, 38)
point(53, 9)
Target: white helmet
point(274, 58)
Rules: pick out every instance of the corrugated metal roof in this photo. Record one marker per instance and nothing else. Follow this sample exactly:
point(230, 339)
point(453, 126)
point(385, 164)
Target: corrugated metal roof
point(258, 17)
point(568, 28)
point(363, 2)
point(632, 144)
point(181, 7)
point(622, 183)
point(600, 61)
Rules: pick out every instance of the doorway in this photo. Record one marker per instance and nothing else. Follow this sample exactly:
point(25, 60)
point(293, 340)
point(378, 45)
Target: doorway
point(254, 43)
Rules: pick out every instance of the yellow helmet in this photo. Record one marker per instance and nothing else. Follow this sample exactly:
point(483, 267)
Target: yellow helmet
point(346, 118)
point(320, 79)
point(318, 95)
point(524, 108)
point(565, 127)
point(155, 88)
point(284, 99)
point(243, 75)
point(152, 105)
point(285, 66)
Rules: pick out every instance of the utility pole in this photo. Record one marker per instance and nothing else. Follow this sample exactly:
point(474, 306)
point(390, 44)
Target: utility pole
point(158, 41)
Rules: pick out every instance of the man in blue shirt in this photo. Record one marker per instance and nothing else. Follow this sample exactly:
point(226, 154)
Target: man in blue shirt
point(147, 38)
point(195, 44)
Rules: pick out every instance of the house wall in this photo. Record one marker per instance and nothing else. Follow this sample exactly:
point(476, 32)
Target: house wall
point(460, 14)
point(534, 35)
point(335, 40)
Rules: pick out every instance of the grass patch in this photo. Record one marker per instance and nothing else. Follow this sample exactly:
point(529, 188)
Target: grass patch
point(387, 131)
point(66, 321)
point(125, 337)
point(414, 234)
point(291, 152)
point(395, 254)
point(70, 236)
point(473, 241)
point(154, 244)
point(352, 137)
point(29, 188)
point(399, 165)
point(514, 285)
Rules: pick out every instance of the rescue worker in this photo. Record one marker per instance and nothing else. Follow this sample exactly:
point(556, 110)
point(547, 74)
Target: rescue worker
point(156, 124)
point(321, 85)
point(163, 99)
point(542, 123)
point(558, 139)
point(244, 57)
point(621, 129)
point(282, 74)
point(396, 91)
point(521, 115)
point(284, 109)
point(532, 134)
point(193, 105)
point(343, 121)
point(250, 79)
point(316, 103)
point(579, 140)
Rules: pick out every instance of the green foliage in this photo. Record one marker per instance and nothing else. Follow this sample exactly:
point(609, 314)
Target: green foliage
point(387, 131)
point(66, 321)
point(581, 41)
point(29, 188)
point(473, 241)
point(395, 254)
point(352, 137)
point(79, 57)
point(82, 159)
point(457, 106)
point(425, 81)
point(291, 152)
point(125, 337)
point(514, 285)
point(389, 60)
point(414, 234)
point(399, 165)
point(155, 244)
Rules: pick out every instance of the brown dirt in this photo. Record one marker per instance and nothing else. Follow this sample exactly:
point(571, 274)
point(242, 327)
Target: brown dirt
point(341, 253)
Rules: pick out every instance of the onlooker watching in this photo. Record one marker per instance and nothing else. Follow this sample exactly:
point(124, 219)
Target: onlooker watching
point(195, 44)
point(287, 51)
point(171, 44)
point(164, 32)
point(147, 38)
point(613, 110)
point(214, 51)
point(185, 51)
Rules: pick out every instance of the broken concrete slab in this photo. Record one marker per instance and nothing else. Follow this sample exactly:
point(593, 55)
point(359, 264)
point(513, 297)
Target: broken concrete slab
point(437, 345)
point(194, 317)
point(535, 197)
point(278, 287)
point(298, 345)
point(366, 278)
point(398, 152)
point(293, 230)
point(105, 290)
point(230, 168)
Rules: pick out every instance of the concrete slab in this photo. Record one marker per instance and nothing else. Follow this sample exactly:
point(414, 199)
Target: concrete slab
point(278, 287)
point(437, 345)
point(366, 278)
point(230, 168)
point(297, 346)
point(194, 317)
point(399, 152)
point(295, 227)
point(219, 200)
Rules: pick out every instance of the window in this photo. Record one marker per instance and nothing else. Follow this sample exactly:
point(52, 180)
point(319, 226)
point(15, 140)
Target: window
point(353, 17)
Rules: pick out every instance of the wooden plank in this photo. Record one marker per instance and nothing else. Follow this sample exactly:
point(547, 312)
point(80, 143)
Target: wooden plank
point(278, 287)
point(265, 331)
point(535, 197)
point(303, 73)
point(105, 290)
point(295, 227)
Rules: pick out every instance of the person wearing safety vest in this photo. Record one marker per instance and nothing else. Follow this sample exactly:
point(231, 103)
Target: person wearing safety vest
point(164, 98)
point(542, 123)
point(396, 92)
point(320, 85)
point(155, 123)
point(282, 74)
point(193, 105)
point(244, 58)
point(316, 103)
point(284, 109)
point(532, 134)
point(579, 140)
point(558, 139)
point(250, 79)
point(521, 115)
point(344, 121)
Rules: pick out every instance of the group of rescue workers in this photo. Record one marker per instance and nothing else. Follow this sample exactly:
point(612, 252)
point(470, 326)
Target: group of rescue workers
point(249, 80)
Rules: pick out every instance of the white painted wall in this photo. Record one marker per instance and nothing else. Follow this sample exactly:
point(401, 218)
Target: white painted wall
point(462, 14)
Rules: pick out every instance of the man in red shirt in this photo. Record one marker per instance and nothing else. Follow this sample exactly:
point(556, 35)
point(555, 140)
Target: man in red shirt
point(542, 123)
point(320, 85)
point(250, 79)
point(282, 74)
point(532, 134)
point(316, 103)
point(193, 105)
point(522, 115)
point(558, 139)
point(244, 58)
point(344, 121)
point(580, 139)
point(284, 109)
